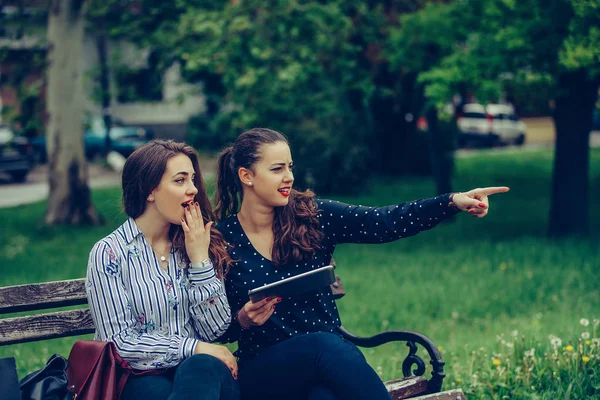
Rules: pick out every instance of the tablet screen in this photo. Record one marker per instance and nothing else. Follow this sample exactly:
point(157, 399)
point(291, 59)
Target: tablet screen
point(302, 283)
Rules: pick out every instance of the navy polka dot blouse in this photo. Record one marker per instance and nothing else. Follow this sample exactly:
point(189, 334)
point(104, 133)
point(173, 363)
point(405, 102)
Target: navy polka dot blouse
point(315, 311)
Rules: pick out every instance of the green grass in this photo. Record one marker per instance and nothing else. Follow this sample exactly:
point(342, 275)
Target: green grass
point(462, 284)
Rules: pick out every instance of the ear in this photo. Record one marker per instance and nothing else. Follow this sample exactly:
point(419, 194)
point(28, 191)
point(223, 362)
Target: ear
point(245, 176)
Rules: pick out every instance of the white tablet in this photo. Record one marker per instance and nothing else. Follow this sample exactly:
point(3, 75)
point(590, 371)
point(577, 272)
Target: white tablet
point(302, 283)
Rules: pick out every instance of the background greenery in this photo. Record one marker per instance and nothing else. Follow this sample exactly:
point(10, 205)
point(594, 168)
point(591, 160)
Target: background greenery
point(461, 284)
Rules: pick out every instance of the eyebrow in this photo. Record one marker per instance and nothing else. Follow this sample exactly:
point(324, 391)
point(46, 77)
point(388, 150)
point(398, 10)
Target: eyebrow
point(182, 173)
point(280, 163)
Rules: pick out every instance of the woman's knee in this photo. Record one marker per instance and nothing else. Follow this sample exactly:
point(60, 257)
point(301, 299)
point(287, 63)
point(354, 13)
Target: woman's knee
point(329, 342)
point(204, 364)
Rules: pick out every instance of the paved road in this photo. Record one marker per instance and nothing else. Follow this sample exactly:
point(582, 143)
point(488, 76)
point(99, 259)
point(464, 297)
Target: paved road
point(36, 187)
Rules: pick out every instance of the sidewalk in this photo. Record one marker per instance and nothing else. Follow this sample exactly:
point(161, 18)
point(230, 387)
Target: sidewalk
point(36, 187)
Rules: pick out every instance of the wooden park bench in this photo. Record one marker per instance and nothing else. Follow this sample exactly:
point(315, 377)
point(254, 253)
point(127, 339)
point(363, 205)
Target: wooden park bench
point(73, 322)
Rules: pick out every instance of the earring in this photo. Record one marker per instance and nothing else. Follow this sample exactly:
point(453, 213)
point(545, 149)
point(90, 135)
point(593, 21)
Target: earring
point(150, 198)
point(249, 183)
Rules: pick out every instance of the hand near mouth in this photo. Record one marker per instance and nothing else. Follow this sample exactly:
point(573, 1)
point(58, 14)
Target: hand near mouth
point(197, 234)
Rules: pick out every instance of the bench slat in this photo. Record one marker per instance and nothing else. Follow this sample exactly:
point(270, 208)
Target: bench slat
point(42, 296)
point(45, 326)
point(456, 394)
point(406, 387)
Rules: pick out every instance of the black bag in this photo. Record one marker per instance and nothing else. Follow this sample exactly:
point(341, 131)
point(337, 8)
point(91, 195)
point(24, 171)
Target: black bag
point(9, 383)
point(48, 383)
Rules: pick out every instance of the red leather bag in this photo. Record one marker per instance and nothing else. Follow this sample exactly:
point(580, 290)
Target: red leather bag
point(97, 372)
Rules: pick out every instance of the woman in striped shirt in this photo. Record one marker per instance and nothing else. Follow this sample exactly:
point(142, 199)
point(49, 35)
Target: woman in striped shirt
point(155, 285)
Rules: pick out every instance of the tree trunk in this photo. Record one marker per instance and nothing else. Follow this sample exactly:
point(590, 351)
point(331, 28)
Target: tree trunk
point(569, 209)
point(101, 47)
point(441, 152)
point(69, 201)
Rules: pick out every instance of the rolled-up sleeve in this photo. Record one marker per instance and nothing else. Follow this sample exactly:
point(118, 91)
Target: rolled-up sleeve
point(209, 308)
point(137, 342)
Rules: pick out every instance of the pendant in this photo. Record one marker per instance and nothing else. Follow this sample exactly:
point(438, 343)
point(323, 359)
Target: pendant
point(163, 258)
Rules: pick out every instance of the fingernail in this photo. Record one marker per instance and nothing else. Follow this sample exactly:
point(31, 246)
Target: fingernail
point(471, 211)
point(279, 299)
point(481, 205)
point(273, 307)
point(268, 299)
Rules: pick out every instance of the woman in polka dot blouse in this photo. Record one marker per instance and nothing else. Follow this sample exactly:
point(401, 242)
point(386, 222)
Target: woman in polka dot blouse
point(289, 348)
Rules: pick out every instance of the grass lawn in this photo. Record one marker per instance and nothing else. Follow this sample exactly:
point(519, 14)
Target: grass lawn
point(463, 284)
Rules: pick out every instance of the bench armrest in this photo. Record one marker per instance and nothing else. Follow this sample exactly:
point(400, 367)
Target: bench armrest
point(434, 384)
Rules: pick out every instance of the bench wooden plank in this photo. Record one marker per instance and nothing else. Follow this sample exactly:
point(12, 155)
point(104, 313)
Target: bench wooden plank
point(456, 394)
point(406, 387)
point(42, 296)
point(45, 326)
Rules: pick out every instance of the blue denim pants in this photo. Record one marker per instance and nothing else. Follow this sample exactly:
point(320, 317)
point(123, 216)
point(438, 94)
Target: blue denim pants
point(198, 377)
point(315, 366)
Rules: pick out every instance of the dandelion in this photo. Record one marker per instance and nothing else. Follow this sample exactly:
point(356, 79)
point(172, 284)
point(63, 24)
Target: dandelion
point(515, 333)
point(569, 348)
point(596, 323)
point(496, 362)
point(584, 322)
point(585, 359)
point(555, 341)
point(588, 342)
point(458, 380)
point(503, 267)
point(585, 335)
point(530, 353)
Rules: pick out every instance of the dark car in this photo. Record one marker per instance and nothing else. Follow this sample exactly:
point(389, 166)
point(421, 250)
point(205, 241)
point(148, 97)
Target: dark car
point(16, 156)
point(124, 140)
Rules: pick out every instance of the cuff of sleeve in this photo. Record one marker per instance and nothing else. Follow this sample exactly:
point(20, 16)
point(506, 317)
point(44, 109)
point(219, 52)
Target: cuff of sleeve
point(447, 205)
point(201, 271)
point(188, 346)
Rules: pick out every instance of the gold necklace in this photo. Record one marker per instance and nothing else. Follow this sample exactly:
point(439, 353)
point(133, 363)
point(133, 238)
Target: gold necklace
point(162, 257)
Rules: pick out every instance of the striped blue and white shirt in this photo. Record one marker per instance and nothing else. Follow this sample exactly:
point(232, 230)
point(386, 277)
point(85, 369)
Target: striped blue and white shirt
point(154, 316)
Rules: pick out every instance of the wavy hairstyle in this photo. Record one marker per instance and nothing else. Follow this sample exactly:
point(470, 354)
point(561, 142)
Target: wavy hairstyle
point(142, 173)
point(295, 226)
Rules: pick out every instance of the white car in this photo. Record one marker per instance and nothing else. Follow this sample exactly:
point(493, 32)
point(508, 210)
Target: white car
point(490, 125)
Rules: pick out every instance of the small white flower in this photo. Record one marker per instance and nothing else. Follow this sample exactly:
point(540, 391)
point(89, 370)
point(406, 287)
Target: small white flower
point(530, 353)
point(555, 342)
point(596, 323)
point(515, 333)
point(585, 335)
point(584, 322)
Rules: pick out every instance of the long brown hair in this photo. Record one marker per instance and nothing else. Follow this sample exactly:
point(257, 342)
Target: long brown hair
point(295, 226)
point(143, 172)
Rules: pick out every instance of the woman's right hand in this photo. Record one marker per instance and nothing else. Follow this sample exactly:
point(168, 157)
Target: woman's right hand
point(220, 352)
point(256, 314)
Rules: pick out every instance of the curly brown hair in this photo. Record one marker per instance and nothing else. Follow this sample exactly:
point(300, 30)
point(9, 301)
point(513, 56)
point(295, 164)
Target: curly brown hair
point(295, 226)
point(142, 173)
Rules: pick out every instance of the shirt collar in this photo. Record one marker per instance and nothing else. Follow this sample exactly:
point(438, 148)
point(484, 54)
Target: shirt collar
point(129, 230)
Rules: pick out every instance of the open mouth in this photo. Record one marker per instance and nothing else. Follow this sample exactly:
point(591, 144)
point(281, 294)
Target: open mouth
point(187, 203)
point(285, 191)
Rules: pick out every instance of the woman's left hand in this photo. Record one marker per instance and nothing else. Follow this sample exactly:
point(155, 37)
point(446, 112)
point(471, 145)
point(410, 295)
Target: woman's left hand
point(476, 201)
point(197, 235)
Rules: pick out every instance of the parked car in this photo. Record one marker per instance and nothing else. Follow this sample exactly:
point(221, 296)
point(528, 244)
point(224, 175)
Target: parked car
point(125, 139)
point(16, 156)
point(490, 125)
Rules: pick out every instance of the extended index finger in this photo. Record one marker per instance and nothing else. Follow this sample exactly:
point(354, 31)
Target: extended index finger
point(493, 190)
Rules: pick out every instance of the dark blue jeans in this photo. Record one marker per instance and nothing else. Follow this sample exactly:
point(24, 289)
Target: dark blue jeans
point(315, 366)
point(199, 377)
